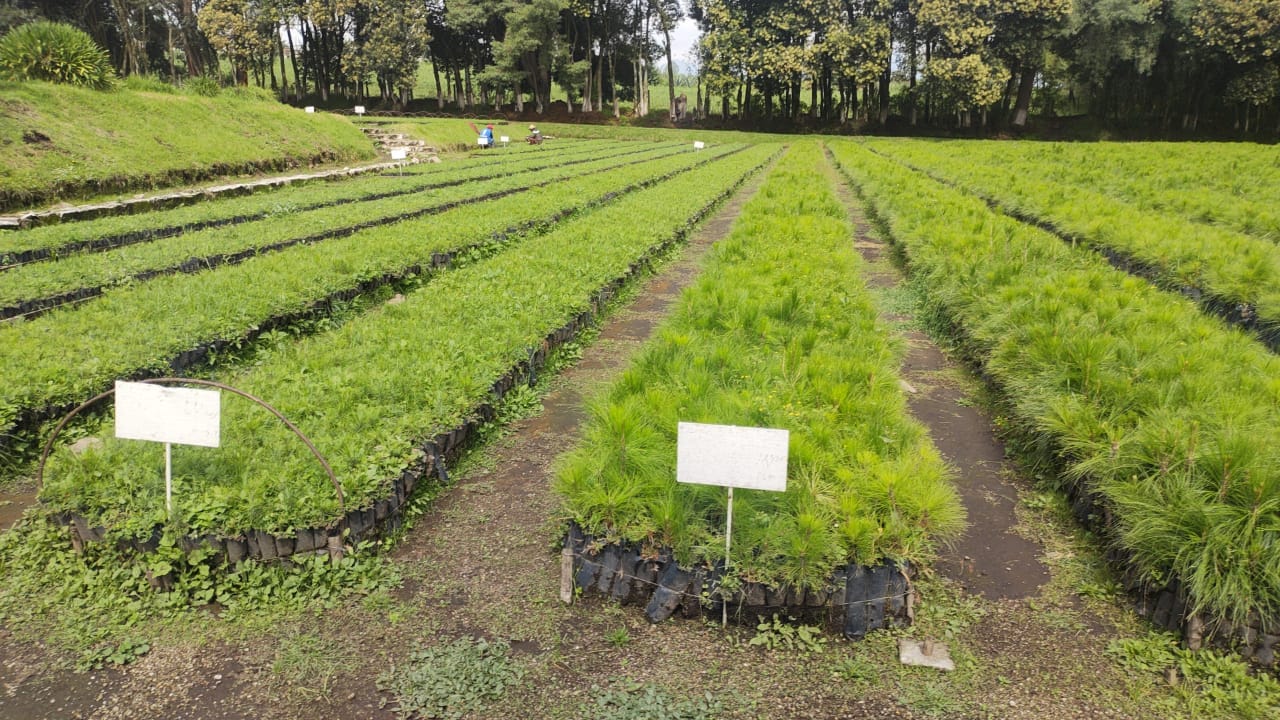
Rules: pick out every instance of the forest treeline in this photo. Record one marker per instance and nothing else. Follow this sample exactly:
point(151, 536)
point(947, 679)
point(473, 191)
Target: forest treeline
point(1168, 65)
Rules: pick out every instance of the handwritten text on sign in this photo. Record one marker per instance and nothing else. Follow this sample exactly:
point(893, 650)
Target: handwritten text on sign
point(732, 456)
point(168, 415)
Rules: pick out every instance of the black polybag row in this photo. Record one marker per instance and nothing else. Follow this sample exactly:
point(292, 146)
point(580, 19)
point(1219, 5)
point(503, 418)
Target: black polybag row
point(856, 598)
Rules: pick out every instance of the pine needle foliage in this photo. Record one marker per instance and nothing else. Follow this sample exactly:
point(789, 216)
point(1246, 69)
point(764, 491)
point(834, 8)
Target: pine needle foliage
point(371, 391)
point(777, 332)
point(1172, 418)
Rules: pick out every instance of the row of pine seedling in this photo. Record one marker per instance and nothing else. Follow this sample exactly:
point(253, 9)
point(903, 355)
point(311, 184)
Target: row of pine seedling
point(1163, 417)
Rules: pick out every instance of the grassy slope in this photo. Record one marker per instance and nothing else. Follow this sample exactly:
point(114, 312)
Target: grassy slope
point(103, 141)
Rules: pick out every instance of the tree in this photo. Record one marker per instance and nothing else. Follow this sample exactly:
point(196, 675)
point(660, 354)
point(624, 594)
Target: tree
point(240, 31)
point(531, 43)
point(390, 45)
point(963, 66)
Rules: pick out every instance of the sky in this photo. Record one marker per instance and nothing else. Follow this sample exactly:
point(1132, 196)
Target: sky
point(682, 40)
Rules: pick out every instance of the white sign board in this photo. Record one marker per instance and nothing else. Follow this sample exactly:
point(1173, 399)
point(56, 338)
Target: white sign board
point(698, 144)
point(310, 108)
point(482, 141)
point(359, 109)
point(505, 139)
point(399, 153)
point(732, 456)
point(168, 415)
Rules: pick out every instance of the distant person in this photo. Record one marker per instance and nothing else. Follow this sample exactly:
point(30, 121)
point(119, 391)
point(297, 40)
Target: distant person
point(535, 137)
point(487, 134)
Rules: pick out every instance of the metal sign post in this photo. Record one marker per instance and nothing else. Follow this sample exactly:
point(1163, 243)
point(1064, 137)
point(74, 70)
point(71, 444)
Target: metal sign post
point(168, 415)
point(731, 456)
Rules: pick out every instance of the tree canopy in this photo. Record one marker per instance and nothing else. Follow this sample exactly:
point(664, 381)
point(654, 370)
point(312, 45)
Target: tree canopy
point(1166, 64)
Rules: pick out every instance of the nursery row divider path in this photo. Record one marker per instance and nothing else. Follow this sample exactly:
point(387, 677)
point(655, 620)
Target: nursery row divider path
point(990, 559)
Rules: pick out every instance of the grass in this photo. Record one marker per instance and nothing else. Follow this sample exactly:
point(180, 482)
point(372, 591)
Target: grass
point(447, 131)
point(52, 148)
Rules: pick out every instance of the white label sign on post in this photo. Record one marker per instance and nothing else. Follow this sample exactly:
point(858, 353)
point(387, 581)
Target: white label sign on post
point(359, 109)
point(399, 153)
point(732, 456)
point(698, 145)
point(310, 108)
point(169, 415)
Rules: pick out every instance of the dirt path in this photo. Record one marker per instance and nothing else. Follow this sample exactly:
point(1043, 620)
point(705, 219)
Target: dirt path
point(991, 559)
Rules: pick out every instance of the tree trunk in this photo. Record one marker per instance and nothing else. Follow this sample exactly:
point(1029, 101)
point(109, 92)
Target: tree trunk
point(1020, 108)
point(586, 84)
point(299, 84)
point(613, 85)
point(884, 98)
point(599, 105)
point(435, 71)
point(671, 70)
point(284, 75)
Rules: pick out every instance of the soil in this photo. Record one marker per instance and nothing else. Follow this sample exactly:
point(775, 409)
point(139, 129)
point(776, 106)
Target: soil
point(992, 559)
point(12, 505)
point(484, 562)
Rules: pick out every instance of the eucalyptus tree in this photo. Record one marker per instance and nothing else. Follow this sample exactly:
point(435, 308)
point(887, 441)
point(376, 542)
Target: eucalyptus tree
point(962, 65)
point(389, 40)
point(531, 43)
point(242, 32)
point(1248, 33)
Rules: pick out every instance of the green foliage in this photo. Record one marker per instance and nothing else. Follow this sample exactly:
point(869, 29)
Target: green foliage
point(931, 698)
point(183, 138)
point(369, 392)
point(308, 662)
point(630, 700)
point(299, 196)
point(204, 86)
point(113, 654)
point(1168, 415)
point(857, 669)
point(98, 604)
point(452, 681)
point(147, 83)
point(1208, 684)
point(779, 634)
point(55, 52)
point(778, 332)
point(1070, 190)
point(619, 638)
point(277, 225)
